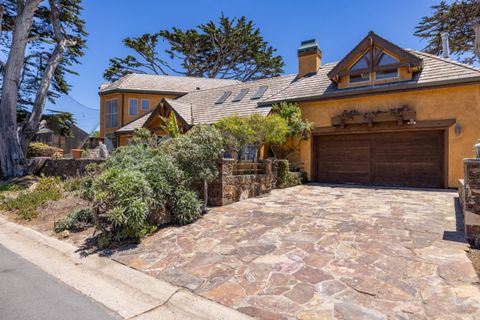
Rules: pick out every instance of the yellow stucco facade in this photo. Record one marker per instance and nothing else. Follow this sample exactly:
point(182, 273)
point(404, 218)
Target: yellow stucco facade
point(461, 103)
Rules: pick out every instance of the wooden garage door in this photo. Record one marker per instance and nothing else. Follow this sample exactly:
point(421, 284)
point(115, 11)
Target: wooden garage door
point(413, 159)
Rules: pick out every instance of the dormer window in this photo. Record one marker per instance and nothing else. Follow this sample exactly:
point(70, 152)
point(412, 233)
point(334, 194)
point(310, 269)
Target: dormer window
point(375, 61)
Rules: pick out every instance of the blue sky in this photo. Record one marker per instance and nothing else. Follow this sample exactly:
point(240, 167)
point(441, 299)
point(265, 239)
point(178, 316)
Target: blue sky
point(337, 26)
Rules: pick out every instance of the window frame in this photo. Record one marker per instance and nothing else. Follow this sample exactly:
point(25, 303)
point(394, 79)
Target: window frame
point(141, 104)
point(130, 107)
point(397, 75)
point(108, 115)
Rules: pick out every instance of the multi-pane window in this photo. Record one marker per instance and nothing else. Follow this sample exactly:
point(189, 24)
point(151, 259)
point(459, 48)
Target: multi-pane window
point(384, 66)
point(132, 107)
point(145, 104)
point(111, 114)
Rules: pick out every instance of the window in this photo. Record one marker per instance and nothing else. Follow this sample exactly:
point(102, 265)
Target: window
point(386, 74)
point(111, 114)
point(362, 63)
point(365, 76)
point(223, 97)
point(111, 138)
point(385, 59)
point(145, 104)
point(132, 107)
point(240, 95)
point(261, 90)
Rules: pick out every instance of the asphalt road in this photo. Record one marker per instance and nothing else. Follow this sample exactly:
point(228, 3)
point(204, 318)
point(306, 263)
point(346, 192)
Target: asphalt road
point(27, 292)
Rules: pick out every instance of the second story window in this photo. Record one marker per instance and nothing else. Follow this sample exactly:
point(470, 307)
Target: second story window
point(132, 107)
point(111, 114)
point(145, 104)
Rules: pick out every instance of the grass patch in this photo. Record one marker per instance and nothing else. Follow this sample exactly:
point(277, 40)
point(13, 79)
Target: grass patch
point(72, 184)
point(27, 203)
point(10, 187)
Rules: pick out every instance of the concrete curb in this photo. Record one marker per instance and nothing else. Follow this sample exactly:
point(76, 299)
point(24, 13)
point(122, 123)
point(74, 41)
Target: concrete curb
point(128, 292)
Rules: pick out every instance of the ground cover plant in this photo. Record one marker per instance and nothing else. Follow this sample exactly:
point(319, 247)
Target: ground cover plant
point(26, 203)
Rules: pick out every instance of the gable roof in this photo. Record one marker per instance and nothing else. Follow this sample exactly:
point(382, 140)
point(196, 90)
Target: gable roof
point(174, 85)
point(436, 72)
point(371, 40)
point(200, 106)
point(135, 124)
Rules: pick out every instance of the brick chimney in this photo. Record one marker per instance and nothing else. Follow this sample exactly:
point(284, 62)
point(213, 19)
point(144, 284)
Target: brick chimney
point(309, 58)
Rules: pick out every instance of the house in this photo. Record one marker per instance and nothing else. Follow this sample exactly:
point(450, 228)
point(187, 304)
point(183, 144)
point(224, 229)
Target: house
point(383, 115)
point(51, 134)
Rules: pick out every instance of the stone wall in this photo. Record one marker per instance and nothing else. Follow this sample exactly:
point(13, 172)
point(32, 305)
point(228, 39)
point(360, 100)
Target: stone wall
point(66, 168)
point(469, 191)
point(229, 188)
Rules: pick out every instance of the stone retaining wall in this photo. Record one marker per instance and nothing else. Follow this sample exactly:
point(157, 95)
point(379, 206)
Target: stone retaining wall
point(229, 188)
point(66, 168)
point(469, 191)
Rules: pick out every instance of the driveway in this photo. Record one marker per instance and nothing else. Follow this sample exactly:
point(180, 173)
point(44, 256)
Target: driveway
point(322, 252)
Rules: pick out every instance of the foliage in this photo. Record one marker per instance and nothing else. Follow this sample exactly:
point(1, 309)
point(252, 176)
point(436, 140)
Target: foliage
point(39, 149)
point(298, 129)
point(455, 18)
point(136, 185)
point(170, 125)
point(48, 184)
point(27, 203)
point(42, 44)
point(254, 129)
point(145, 137)
point(74, 220)
point(95, 134)
point(229, 49)
point(285, 177)
point(10, 187)
point(72, 184)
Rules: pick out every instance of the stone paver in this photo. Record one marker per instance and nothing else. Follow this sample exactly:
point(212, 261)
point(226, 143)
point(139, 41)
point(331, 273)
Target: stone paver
point(320, 252)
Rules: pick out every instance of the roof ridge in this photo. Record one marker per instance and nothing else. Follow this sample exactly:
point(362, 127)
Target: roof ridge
point(455, 62)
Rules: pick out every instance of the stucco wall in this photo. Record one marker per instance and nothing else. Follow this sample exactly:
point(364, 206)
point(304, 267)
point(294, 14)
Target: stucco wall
point(461, 103)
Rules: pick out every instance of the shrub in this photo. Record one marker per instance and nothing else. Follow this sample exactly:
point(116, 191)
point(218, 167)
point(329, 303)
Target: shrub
point(48, 184)
point(72, 184)
point(285, 177)
point(74, 221)
point(137, 187)
point(10, 187)
point(27, 203)
point(39, 149)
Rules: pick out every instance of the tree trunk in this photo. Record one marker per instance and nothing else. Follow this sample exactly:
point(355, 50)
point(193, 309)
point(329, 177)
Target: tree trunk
point(205, 195)
point(11, 153)
point(31, 126)
point(476, 45)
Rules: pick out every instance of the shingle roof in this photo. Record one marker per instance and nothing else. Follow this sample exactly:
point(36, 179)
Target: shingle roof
point(202, 107)
point(161, 83)
point(436, 70)
point(135, 124)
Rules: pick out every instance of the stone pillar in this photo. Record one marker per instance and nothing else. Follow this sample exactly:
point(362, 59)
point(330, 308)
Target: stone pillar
point(471, 206)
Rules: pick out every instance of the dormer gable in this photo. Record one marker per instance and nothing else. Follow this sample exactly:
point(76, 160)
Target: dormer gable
point(375, 61)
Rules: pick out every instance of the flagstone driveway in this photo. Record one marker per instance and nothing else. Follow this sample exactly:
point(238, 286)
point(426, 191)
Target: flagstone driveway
point(320, 252)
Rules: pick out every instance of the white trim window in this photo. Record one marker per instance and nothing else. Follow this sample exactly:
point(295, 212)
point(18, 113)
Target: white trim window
point(145, 104)
point(132, 107)
point(111, 113)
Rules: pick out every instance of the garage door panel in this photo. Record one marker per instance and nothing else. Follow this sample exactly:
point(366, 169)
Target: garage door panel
point(402, 159)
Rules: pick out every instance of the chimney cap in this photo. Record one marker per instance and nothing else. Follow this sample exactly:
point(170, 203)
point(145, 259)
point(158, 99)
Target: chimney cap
point(308, 46)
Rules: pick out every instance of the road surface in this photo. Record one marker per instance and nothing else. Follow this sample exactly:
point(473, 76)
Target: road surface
point(27, 292)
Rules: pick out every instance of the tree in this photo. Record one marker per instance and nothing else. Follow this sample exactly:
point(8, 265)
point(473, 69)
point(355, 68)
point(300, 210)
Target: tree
point(45, 39)
point(170, 125)
point(254, 129)
point(196, 153)
point(298, 129)
point(458, 20)
point(230, 49)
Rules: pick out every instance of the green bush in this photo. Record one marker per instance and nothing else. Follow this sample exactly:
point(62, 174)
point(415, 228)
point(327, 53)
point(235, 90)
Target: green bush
point(72, 184)
point(10, 187)
point(285, 177)
point(138, 184)
point(39, 149)
point(48, 184)
point(27, 203)
point(74, 221)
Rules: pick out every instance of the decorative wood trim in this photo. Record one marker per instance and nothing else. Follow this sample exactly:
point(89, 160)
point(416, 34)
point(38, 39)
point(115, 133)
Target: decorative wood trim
point(385, 127)
point(347, 117)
